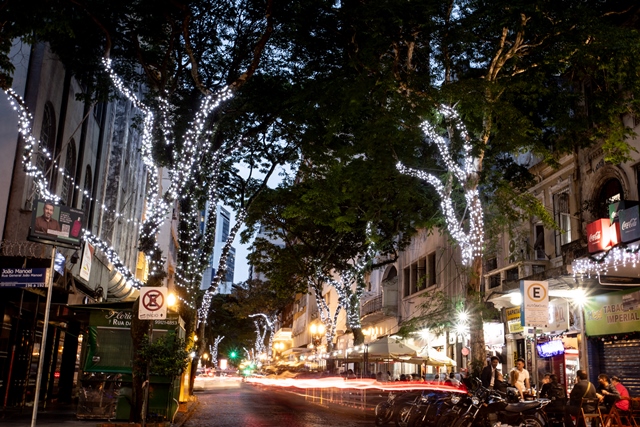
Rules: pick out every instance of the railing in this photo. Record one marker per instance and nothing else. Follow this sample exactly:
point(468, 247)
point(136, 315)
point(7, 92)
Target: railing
point(371, 306)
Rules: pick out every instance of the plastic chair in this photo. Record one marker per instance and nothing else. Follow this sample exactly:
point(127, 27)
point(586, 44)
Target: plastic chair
point(588, 414)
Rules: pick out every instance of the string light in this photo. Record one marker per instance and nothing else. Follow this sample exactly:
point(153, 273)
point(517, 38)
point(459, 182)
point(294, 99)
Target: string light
point(213, 349)
point(614, 258)
point(471, 242)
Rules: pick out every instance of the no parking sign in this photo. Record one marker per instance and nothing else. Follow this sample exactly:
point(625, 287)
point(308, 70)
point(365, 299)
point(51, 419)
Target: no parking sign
point(153, 303)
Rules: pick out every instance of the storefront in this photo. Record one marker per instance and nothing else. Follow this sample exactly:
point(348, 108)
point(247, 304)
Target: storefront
point(105, 390)
point(612, 323)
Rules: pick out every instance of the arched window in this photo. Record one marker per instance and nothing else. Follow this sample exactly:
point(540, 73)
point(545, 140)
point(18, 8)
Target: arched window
point(47, 141)
point(611, 191)
point(66, 194)
point(86, 195)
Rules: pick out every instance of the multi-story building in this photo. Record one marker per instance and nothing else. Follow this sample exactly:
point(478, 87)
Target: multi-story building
point(223, 224)
point(95, 167)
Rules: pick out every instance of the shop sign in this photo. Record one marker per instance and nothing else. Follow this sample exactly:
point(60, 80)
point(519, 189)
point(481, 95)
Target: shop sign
point(613, 313)
point(23, 277)
point(629, 224)
point(123, 318)
point(616, 207)
point(601, 235)
point(111, 318)
point(535, 302)
point(558, 315)
point(514, 325)
point(85, 264)
point(493, 334)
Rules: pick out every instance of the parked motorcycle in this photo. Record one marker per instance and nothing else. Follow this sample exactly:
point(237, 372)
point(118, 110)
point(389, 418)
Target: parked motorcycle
point(490, 408)
point(387, 411)
point(428, 410)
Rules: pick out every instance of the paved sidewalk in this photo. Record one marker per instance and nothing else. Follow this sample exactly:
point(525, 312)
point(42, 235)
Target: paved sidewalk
point(66, 416)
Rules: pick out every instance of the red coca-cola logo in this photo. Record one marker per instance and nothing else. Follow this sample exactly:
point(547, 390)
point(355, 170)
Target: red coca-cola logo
point(595, 236)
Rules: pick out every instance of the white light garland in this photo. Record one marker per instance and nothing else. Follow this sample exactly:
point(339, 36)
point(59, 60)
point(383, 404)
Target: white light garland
point(471, 241)
point(602, 263)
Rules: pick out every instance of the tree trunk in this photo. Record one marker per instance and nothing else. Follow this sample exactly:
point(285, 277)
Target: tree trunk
point(475, 304)
point(139, 331)
point(358, 336)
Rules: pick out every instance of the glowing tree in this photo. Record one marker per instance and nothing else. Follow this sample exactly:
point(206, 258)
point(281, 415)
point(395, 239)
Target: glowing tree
point(467, 229)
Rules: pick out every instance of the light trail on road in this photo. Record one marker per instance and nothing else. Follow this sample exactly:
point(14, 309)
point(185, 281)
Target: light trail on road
point(358, 384)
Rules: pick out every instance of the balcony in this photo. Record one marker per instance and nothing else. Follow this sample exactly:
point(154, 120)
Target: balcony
point(371, 306)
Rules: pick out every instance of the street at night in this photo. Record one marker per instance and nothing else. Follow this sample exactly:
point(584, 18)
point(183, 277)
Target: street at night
point(242, 404)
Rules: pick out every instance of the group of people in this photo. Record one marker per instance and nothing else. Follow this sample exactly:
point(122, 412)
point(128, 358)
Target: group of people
point(609, 393)
point(519, 377)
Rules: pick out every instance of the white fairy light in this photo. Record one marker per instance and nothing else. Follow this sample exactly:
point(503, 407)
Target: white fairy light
point(471, 241)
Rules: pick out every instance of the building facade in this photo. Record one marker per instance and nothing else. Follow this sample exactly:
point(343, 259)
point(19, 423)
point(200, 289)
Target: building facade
point(89, 155)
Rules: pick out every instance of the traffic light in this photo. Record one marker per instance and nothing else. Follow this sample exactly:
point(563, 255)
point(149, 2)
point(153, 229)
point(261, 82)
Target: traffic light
point(233, 355)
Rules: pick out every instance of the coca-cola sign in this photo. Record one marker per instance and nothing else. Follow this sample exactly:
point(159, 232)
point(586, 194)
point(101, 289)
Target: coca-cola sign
point(599, 235)
point(629, 224)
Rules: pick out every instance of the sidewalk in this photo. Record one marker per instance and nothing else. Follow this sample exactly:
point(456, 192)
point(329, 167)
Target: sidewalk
point(65, 415)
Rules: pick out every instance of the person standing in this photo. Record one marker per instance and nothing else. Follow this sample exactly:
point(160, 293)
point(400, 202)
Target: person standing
point(489, 374)
point(623, 403)
point(583, 389)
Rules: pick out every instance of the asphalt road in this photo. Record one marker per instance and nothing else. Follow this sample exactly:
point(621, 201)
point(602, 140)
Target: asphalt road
point(244, 405)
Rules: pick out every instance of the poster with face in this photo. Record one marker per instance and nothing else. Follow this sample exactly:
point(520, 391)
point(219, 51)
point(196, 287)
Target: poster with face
point(56, 224)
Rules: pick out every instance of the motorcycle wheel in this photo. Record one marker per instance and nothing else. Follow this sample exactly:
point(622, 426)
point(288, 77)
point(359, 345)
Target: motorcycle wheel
point(384, 413)
point(465, 421)
point(417, 419)
point(531, 422)
point(403, 416)
point(448, 419)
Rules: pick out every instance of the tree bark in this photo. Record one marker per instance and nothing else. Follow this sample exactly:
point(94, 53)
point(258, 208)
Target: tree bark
point(474, 305)
point(139, 329)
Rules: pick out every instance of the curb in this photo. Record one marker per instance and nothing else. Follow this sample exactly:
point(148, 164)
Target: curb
point(190, 410)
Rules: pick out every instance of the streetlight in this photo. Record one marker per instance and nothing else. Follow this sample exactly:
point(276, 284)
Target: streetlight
point(317, 331)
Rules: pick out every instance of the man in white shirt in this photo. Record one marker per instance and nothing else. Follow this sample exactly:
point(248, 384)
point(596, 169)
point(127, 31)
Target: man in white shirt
point(521, 381)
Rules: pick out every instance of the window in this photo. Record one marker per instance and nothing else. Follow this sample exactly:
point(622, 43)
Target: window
point(494, 281)
point(47, 140)
point(66, 194)
point(492, 264)
point(610, 192)
point(431, 269)
point(538, 246)
point(86, 195)
point(563, 219)
point(512, 274)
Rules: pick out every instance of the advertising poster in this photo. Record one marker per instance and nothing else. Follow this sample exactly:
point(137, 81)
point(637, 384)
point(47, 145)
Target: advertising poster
point(56, 224)
point(613, 313)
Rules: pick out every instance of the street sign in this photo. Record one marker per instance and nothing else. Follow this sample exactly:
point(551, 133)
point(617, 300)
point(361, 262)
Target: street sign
point(535, 298)
point(153, 303)
point(23, 278)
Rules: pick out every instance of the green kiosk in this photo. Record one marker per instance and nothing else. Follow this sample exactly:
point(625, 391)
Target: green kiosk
point(105, 385)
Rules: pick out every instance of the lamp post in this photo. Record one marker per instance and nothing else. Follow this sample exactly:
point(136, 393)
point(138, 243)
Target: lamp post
point(317, 331)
